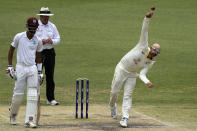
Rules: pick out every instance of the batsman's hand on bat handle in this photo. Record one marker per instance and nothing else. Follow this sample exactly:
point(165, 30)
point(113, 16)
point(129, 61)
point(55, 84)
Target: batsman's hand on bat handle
point(150, 85)
point(40, 77)
point(11, 72)
point(149, 14)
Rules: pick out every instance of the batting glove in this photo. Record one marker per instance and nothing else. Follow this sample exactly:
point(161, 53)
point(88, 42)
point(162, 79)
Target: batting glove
point(40, 77)
point(11, 72)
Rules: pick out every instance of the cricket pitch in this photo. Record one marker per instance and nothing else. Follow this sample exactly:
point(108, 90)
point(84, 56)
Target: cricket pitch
point(62, 118)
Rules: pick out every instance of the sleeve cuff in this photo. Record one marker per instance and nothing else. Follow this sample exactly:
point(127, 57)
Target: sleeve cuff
point(39, 66)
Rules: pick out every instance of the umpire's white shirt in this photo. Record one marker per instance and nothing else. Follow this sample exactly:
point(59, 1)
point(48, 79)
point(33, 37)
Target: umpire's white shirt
point(137, 57)
point(48, 31)
point(26, 49)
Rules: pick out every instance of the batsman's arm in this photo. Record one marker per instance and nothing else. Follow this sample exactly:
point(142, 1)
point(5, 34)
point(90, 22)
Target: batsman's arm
point(39, 61)
point(10, 55)
point(39, 67)
point(10, 71)
point(13, 45)
point(39, 55)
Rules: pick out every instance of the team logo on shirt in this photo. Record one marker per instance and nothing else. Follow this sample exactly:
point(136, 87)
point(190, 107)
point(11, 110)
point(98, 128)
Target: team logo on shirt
point(143, 52)
point(136, 61)
point(34, 42)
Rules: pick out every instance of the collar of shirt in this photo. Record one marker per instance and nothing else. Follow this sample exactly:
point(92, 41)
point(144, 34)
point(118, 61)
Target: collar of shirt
point(147, 52)
point(25, 35)
point(40, 23)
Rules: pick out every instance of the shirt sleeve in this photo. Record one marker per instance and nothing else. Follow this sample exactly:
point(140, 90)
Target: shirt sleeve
point(15, 41)
point(144, 71)
point(144, 33)
point(56, 37)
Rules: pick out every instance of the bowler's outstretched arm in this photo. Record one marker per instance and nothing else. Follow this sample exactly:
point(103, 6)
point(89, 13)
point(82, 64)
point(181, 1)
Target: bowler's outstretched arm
point(144, 32)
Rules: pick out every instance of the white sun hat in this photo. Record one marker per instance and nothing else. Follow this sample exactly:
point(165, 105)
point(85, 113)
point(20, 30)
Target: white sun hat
point(45, 11)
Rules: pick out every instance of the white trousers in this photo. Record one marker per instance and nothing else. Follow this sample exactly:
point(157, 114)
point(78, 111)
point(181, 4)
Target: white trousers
point(126, 80)
point(27, 76)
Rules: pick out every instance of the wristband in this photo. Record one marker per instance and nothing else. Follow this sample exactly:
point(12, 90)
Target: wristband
point(39, 66)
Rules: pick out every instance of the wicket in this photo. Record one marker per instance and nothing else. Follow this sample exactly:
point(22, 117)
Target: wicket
point(77, 96)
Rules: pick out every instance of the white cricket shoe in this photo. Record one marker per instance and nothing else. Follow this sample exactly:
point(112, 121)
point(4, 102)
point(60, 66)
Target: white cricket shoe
point(12, 120)
point(124, 122)
point(30, 124)
point(53, 103)
point(114, 113)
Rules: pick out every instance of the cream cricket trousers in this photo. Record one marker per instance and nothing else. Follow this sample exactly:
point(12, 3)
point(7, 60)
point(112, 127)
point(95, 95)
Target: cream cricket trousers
point(126, 80)
point(27, 76)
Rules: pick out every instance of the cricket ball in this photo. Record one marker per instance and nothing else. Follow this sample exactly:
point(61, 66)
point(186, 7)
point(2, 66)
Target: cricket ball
point(152, 8)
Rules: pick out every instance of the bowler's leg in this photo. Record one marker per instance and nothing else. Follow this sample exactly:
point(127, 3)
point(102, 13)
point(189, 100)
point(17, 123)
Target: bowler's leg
point(117, 83)
point(127, 100)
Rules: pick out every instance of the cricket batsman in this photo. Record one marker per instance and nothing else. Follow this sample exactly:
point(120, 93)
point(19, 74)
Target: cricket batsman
point(27, 74)
point(140, 57)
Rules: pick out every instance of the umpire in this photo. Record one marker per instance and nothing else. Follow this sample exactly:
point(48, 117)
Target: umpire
point(49, 34)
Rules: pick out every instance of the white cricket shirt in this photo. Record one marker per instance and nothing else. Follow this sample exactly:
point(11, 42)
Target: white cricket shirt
point(48, 31)
point(26, 49)
point(136, 58)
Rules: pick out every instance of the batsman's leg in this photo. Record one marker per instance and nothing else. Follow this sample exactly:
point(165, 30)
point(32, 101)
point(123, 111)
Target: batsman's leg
point(17, 98)
point(32, 97)
point(14, 108)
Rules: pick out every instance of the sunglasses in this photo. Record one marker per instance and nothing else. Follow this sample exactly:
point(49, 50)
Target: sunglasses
point(157, 51)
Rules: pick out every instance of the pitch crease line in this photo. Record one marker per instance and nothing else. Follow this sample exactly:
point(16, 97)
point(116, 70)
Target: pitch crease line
point(152, 118)
point(4, 117)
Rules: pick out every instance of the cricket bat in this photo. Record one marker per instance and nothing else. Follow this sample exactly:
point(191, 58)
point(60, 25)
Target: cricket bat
point(38, 111)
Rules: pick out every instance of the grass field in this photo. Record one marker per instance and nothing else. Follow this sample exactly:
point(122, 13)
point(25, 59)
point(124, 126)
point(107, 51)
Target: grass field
point(96, 34)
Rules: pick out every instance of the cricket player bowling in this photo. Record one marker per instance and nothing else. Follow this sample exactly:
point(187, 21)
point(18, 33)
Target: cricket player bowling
point(140, 57)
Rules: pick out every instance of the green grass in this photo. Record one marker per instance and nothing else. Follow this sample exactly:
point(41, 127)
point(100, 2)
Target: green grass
point(96, 34)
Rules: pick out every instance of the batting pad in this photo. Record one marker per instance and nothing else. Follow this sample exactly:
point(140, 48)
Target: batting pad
point(32, 98)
